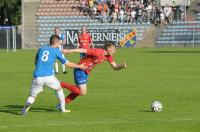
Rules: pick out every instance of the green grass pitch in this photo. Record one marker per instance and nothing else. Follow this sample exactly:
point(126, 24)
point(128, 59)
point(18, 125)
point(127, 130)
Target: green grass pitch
point(117, 101)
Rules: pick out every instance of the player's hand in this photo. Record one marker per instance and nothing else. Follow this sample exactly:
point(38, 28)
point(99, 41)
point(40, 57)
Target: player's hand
point(83, 67)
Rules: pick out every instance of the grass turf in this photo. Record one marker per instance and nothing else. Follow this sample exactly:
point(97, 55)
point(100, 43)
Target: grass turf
point(116, 101)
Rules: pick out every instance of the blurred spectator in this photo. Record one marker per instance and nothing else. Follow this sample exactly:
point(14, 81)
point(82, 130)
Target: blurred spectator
point(91, 4)
point(112, 3)
point(61, 47)
point(130, 11)
point(104, 12)
point(162, 18)
point(99, 7)
point(139, 15)
point(105, 8)
point(149, 9)
point(157, 19)
point(117, 7)
point(121, 15)
point(94, 11)
point(133, 14)
point(104, 17)
point(181, 11)
point(167, 12)
point(83, 6)
point(114, 16)
point(153, 13)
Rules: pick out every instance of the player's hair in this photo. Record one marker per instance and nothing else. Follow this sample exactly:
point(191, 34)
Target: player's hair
point(108, 44)
point(54, 39)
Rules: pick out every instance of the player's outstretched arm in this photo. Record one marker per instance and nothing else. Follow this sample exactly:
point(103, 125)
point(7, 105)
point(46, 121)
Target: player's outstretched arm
point(73, 65)
point(116, 66)
point(69, 51)
point(77, 45)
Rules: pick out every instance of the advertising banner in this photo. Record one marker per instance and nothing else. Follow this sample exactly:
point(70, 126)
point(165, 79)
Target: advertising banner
point(124, 38)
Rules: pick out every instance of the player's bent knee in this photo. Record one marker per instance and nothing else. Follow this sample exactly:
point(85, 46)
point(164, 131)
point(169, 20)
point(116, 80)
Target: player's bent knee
point(83, 93)
point(83, 89)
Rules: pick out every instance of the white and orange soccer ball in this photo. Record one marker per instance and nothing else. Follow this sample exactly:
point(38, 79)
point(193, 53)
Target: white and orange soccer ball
point(156, 106)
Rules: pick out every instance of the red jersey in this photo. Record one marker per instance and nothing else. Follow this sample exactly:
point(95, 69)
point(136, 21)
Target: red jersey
point(84, 40)
point(94, 57)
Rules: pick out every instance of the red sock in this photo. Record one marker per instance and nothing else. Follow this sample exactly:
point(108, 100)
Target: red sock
point(71, 87)
point(70, 97)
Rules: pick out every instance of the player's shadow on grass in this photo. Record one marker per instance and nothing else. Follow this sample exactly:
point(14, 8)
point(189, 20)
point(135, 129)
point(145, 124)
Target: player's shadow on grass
point(16, 109)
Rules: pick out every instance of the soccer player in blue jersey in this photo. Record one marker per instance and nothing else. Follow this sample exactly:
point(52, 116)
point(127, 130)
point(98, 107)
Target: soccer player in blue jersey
point(62, 37)
point(44, 73)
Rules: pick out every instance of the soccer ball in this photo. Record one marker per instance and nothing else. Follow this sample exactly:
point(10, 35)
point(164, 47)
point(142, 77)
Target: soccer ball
point(156, 106)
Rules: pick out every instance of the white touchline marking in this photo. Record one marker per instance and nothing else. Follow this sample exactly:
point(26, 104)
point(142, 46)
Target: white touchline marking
point(89, 123)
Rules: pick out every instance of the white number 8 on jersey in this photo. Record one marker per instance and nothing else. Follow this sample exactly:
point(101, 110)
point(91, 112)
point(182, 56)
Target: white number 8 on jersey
point(45, 56)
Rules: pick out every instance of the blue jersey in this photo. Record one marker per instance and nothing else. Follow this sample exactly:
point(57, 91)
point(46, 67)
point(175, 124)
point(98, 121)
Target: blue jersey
point(45, 59)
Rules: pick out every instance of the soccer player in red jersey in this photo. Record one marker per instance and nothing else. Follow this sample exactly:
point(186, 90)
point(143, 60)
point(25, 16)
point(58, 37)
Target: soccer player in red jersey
point(92, 58)
point(84, 41)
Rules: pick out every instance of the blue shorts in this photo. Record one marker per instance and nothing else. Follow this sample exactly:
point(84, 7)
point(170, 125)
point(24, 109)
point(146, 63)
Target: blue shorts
point(80, 76)
point(82, 55)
